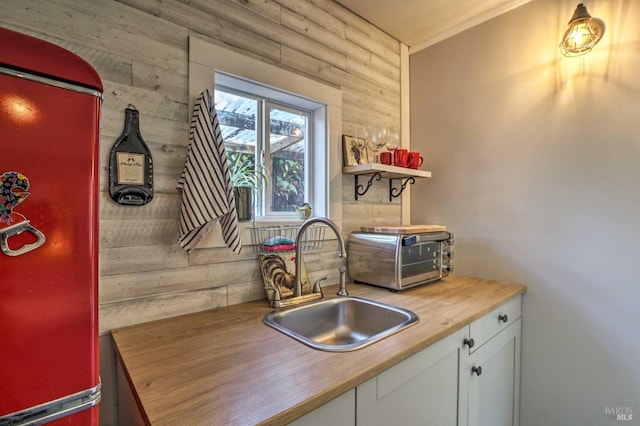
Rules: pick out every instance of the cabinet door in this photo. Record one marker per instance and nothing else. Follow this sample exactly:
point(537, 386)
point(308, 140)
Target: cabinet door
point(340, 411)
point(422, 390)
point(493, 374)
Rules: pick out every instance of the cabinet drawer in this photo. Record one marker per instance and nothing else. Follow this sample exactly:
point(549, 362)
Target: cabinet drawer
point(483, 329)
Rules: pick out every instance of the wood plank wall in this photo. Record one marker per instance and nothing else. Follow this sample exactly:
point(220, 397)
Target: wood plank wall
point(139, 48)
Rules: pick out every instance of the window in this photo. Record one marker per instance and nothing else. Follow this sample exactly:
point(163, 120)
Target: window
point(268, 130)
point(215, 66)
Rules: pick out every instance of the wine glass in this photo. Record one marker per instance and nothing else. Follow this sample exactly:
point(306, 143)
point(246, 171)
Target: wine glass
point(377, 142)
point(393, 142)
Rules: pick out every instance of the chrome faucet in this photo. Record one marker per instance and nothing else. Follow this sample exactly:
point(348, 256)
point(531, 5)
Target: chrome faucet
point(342, 291)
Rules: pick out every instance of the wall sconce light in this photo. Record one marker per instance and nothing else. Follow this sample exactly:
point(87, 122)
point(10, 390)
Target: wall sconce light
point(583, 33)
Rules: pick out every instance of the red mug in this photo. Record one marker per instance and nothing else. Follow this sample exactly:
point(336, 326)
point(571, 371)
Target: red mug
point(385, 157)
point(401, 158)
point(415, 160)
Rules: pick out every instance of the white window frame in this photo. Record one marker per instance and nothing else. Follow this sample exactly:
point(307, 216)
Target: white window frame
point(266, 98)
point(206, 61)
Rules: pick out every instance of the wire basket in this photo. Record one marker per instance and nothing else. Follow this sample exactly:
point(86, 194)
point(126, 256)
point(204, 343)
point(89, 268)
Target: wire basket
point(273, 239)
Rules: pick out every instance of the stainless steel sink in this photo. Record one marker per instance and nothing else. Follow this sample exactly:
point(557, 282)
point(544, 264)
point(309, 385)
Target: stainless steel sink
point(341, 324)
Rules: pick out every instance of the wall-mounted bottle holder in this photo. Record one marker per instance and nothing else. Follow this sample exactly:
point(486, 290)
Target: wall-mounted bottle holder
point(131, 164)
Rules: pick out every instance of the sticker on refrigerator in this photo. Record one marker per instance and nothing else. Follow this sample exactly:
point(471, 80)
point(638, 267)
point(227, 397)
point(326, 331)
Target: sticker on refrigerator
point(14, 188)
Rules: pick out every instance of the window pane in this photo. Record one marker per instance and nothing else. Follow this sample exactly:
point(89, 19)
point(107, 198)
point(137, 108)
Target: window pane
point(237, 116)
point(287, 143)
point(238, 123)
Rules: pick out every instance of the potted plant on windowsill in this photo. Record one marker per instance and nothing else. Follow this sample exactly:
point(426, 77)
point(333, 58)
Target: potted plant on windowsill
point(247, 180)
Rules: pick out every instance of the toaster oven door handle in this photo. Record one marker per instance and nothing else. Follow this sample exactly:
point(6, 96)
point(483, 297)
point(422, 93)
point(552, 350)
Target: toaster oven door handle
point(409, 240)
point(433, 236)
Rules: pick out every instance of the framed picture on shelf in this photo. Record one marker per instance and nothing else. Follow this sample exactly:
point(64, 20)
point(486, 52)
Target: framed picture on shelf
point(354, 151)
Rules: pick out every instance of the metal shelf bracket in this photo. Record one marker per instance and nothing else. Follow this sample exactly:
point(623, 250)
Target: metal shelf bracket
point(361, 190)
point(394, 192)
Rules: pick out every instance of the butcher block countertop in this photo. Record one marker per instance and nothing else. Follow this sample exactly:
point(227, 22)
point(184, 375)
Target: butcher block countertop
point(226, 367)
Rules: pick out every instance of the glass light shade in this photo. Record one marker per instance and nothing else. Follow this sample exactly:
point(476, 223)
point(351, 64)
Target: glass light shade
point(583, 33)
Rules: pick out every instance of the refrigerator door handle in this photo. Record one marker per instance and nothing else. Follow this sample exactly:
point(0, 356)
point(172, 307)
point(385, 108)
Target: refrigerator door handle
point(53, 410)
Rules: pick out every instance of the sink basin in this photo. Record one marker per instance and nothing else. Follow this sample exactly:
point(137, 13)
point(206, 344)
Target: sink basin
point(341, 324)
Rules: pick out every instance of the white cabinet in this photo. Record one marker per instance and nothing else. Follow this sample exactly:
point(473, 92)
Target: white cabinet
point(422, 390)
point(490, 373)
point(469, 378)
point(340, 411)
point(493, 380)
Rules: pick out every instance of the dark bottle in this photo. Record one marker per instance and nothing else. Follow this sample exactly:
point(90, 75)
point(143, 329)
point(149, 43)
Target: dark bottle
point(131, 165)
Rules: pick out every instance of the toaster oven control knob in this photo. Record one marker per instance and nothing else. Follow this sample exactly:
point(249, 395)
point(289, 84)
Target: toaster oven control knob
point(447, 254)
point(448, 268)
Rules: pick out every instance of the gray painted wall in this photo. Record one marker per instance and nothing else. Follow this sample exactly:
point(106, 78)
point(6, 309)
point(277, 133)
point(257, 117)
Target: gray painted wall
point(536, 169)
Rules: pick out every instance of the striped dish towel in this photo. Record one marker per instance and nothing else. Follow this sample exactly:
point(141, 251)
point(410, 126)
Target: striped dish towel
point(207, 195)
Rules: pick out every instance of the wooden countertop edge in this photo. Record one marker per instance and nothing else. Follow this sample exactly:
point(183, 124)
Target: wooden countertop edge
point(407, 343)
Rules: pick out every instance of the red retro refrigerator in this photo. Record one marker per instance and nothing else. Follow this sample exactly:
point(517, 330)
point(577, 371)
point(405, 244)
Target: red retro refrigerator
point(50, 101)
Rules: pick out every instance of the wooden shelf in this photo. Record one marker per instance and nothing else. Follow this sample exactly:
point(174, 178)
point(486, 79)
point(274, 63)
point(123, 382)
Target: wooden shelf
point(379, 171)
point(386, 171)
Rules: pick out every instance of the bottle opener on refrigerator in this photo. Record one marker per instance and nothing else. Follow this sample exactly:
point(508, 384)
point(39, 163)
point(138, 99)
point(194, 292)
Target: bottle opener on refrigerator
point(13, 191)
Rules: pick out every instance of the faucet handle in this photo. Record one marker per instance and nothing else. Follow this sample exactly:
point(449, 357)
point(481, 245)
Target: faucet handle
point(317, 288)
point(276, 295)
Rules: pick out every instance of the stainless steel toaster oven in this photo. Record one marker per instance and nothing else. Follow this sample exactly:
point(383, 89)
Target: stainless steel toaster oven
point(399, 261)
